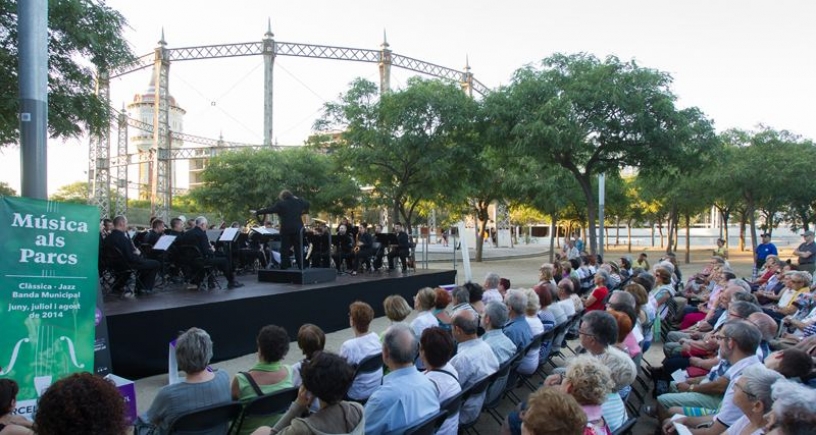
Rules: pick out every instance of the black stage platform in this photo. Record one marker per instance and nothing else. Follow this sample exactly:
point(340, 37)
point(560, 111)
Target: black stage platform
point(140, 329)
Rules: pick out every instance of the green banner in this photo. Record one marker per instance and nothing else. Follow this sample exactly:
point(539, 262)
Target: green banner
point(48, 286)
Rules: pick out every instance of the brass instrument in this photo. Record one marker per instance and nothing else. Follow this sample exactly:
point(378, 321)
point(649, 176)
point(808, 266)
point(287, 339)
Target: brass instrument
point(356, 248)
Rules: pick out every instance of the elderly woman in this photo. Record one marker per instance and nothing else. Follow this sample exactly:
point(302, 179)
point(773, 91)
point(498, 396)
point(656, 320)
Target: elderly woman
point(752, 395)
point(83, 404)
point(11, 424)
point(326, 377)
point(311, 339)
point(396, 308)
point(793, 411)
point(595, 300)
point(266, 376)
point(530, 362)
point(436, 348)
point(798, 284)
point(551, 412)
point(546, 273)
point(363, 344)
point(664, 291)
point(199, 389)
point(424, 303)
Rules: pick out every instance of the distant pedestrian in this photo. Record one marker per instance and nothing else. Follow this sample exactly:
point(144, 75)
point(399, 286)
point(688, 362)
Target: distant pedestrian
point(763, 250)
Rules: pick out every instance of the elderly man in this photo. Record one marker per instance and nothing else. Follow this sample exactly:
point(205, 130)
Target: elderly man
point(406, 395)
point(495, 317)
point(197, 236)
point(491, 286)
point(517, 329)
point(474, 360)
point(738, 341)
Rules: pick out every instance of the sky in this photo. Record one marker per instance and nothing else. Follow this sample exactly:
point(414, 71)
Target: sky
point(742, 62)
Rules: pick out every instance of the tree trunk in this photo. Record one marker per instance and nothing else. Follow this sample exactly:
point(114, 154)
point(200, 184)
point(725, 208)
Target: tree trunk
point(652, 226)
point(670, 230)
point(629, 235)
point(617, 230)
point(752, 220)
point(553, 228)
point(742, 233)
point(688, 239)
point(592, 209)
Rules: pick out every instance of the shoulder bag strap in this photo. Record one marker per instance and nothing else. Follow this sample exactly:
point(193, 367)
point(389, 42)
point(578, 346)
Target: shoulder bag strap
point(252, 383)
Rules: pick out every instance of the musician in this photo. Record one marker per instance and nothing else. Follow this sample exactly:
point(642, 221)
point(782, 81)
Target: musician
point(248, 251)
point(380, 242)
point(401, 250)
point(289, 208)
point(343, 244)
point(122, 254)
point(197, 236)
point(364, 248)
point(321, 250)
point(352, 230)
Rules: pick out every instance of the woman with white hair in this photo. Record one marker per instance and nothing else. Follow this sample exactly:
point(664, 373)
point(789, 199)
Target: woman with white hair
point(752, 395)
point(595, 301)
point(793, 411)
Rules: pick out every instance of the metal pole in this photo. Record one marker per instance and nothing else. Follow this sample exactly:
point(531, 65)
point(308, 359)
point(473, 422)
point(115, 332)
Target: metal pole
point(269, 67)
point(33, 74)
point(601, 201)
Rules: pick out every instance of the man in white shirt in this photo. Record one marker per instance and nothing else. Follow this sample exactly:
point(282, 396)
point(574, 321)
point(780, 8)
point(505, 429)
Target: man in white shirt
point(564, 291)
point(474, 360)
point(491, 286)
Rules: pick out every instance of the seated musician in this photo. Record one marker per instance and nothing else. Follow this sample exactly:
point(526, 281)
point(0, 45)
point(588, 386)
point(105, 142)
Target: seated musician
point(364, 249)
point(121, 254)
point(197, 236)
point(320, 253)
point(380, 242)
point(401, 250)
point(343, 248)
point(247, 250)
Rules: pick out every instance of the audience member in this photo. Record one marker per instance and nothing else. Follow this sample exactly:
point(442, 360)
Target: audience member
point(475, 293)
point(326, 377)
point(494, 318)
point(396, 308)
point(491, 286)
point(474, 360)
point(311, 339)
point(595, 300)
point(424, 303)
point(200, 388)
point(792, 363)
point(440, 311)
point(406, 395)
point(83, 404)
point(552, 412)
point(10, 423)
point(363, 344)
point(435, 349)
point(752, 395)
point(793, 410)
point(266, 376)
point(517, 328)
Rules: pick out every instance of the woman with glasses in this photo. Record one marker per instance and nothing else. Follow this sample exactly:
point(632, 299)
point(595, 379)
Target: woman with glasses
point(752, 395)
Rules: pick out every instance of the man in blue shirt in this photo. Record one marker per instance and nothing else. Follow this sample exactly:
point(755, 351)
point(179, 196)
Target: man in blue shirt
point(764, 249)
point(517, 329)
point(406, 395)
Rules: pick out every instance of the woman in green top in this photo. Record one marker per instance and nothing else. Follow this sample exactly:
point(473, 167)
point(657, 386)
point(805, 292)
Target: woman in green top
point(266, 376)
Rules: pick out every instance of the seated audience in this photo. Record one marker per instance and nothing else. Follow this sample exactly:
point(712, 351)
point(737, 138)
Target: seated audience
point(326, 377)
point(530, 361)
point(266, 376)
point(435, 349)
point(474, 360)
point(793, 363)
point(494, 318)
point(396, 309)
point(10, 423)
point(363, 344)
point(752, 395)
point(517, 328)
point(311, 339)
point(793, 411)
point(199, 389)
point(424, 303)
point(82, 404)
point(440, 311)
point(406, 395)
point(551, 412)
point(491, 286)
point(595, 300)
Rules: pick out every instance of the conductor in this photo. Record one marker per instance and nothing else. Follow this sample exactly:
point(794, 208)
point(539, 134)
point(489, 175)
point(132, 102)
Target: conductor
point(289, 208)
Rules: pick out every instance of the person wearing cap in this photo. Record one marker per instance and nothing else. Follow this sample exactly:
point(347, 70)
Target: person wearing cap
point(807, 253)
point(763, 250)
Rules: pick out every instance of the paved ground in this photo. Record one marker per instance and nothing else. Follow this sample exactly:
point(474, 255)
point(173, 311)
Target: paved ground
point(519, 264)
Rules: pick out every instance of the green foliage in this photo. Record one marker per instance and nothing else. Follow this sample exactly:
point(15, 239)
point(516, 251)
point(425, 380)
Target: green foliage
point(82, 34)
point(239, 181)
point(400, 142)
point(6, 190)
point(75, 193)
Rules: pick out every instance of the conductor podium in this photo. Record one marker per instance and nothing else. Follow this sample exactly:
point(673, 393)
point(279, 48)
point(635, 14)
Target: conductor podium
point(311, 275)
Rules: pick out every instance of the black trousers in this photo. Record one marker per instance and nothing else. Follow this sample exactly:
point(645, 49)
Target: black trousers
point(402, 254)
point(289, 241)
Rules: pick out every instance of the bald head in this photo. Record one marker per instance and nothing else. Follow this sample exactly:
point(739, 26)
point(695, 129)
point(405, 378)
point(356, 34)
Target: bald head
point(467, 323)
point(765, 323)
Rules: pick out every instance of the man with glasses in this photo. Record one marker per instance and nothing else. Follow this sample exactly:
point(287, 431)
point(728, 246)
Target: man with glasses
point(738, 341)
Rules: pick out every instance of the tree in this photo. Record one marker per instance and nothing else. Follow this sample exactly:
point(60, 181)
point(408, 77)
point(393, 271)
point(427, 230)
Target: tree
point(398, 142)
point(6, 190)
point(240, 181)
point(75, 193)
point(593, 117)
point(82, 34)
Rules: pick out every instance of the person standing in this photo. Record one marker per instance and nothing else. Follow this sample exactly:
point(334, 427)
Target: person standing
point(289, 208)
point(807, 253)
point(763, 250)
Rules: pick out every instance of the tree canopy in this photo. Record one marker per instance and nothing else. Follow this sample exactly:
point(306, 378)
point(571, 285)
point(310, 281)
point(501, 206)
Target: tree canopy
point(83, 35)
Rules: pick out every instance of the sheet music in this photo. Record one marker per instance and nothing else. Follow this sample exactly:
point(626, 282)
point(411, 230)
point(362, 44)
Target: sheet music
point(213, 235)
point(679, 375)
point(229, 234)
point(680, 428)
point(164, 242)
point(265, 231)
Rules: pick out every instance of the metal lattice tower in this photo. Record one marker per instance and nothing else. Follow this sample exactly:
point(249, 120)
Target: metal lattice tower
point(99, 161)
point(161, 153)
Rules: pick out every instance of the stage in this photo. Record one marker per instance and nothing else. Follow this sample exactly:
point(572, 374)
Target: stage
point(140, 329)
